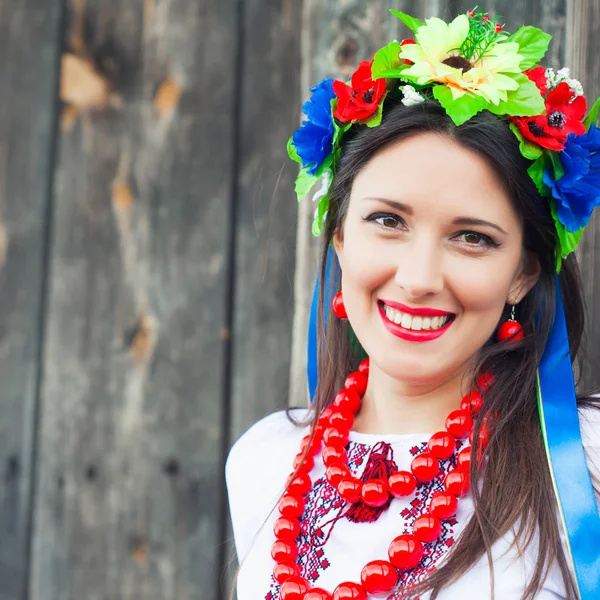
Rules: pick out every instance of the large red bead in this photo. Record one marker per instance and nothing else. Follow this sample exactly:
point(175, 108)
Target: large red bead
point(510, 330)
point(375, 493)
point(350, 489)
point(300, 485)
point(314, 443)
point(285, 570)
point(443, 506)
point(282, 551)
point(472, 402)
point(425, 466)
point(335, 473)
point(337, 305)
point(463, 460)
point(485, 381)
point(402, 483)
point(405, 552)
point(306, 463)
point(336, 436)
point(348, 400)
point(457, 482)
point(286, 529)
point(427, 528)
point(341, 419)
point(364, 366)
point(317, 594)
point(379, 577)
point(459, 423)
point(357, 381)
point(332, 454)
point(442, 445)
point(291, 506)
point(294, 589)
point(349, 591)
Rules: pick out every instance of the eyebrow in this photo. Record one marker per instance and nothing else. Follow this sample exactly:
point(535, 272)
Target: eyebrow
point(458, 221)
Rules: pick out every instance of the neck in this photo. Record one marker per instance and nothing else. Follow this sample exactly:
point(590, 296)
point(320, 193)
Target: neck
point(393, 406)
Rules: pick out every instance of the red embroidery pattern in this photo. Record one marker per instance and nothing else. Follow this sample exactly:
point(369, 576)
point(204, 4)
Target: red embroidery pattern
point(324, 508)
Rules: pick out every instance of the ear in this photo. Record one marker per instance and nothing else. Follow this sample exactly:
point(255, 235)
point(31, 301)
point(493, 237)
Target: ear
point(526, 278)
point(338, 246)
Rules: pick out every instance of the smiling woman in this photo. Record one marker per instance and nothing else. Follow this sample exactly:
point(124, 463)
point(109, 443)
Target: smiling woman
point(436, 468)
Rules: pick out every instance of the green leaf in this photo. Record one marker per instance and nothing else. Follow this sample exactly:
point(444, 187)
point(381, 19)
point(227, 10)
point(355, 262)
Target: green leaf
point(412, 23)
point(533, 44)
point(557, 165)
point(392, 73)
point(536, 172)
point(375, 119)
point(304, 183)
point(460, 109)
point(567, 240)
point(526, 101)
point(592, 116)
point(322, 208)
point(339, 130)
point(292, 153)
point(386, 60)
point(528, 149)
point(326, 164)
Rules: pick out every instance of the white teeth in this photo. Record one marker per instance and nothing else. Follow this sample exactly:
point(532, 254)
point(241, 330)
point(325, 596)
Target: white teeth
point(412, 322)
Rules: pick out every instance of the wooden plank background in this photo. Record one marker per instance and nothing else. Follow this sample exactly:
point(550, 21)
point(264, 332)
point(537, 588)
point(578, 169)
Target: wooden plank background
point(155, 270)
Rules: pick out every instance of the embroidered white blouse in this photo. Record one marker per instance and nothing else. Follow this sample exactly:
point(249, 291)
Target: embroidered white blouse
point(333, 549)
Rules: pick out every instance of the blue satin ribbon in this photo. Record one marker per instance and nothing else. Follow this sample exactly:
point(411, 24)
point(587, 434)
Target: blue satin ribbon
point(572, 483)
point(559, 419)
point(330, 278)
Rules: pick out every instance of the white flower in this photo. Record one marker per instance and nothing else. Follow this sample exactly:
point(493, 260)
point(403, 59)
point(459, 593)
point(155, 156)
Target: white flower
point(561, 75)
point(411, 96)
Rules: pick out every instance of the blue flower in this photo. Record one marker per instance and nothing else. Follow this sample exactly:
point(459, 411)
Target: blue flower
point(313, 141)
point(578, 191)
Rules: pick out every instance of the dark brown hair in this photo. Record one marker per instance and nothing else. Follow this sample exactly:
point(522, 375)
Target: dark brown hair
point(515, 489)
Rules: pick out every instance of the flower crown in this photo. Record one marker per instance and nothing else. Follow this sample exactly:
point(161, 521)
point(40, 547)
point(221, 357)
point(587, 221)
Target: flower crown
point(468, 65)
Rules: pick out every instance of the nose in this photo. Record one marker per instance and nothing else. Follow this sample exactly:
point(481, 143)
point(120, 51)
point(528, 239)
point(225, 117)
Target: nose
point(419, 270)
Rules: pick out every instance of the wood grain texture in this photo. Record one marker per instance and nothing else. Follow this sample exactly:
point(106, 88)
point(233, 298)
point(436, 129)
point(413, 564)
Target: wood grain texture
point(548, 15)
point(337, 36)
point(582, 30)
point(266, 211)
point(29, 60)
point(128, 502)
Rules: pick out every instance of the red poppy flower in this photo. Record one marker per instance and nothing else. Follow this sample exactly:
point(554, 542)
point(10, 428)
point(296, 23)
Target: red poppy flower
point(538, 76)
point(360, 100)
point(564, 113)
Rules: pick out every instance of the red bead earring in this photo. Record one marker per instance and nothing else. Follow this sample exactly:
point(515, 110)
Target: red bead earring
point(339, 310)
point(511, 330)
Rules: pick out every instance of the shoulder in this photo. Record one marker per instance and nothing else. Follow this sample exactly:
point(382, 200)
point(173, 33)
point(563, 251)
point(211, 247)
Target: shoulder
point(265, 438)
point(256, 470)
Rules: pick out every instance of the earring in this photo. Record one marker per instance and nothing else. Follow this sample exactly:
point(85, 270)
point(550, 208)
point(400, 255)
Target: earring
point(339, 310)
point(511, 330)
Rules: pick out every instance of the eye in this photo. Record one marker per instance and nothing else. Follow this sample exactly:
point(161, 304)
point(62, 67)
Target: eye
point(386, 220)
point(477, 240)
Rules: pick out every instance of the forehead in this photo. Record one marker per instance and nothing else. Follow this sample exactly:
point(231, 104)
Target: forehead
point(436, 176)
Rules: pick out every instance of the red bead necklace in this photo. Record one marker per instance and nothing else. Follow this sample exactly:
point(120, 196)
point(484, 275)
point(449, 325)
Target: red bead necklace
point(405, 551)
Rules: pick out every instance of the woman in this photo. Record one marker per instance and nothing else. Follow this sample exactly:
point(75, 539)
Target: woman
point(457, 177)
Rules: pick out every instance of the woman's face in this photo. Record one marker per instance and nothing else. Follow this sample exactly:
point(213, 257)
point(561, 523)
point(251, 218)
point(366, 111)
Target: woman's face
point(430, 252)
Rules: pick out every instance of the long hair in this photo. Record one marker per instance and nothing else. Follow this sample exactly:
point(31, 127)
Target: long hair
point(515, 490)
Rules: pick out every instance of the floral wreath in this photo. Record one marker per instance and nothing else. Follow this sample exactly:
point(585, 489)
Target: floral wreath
point(468, 65)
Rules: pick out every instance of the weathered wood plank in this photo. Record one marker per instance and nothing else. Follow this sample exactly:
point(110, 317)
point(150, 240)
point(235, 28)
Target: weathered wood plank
point(338, 36)
point(128, 494)
point(548, 15)
point(583, 23)
point(29, 45)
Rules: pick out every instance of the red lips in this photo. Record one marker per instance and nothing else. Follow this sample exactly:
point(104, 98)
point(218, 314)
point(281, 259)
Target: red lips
point(419, 312)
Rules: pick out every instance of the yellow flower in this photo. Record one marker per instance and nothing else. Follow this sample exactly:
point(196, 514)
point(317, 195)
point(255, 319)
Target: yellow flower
point(436, 59)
